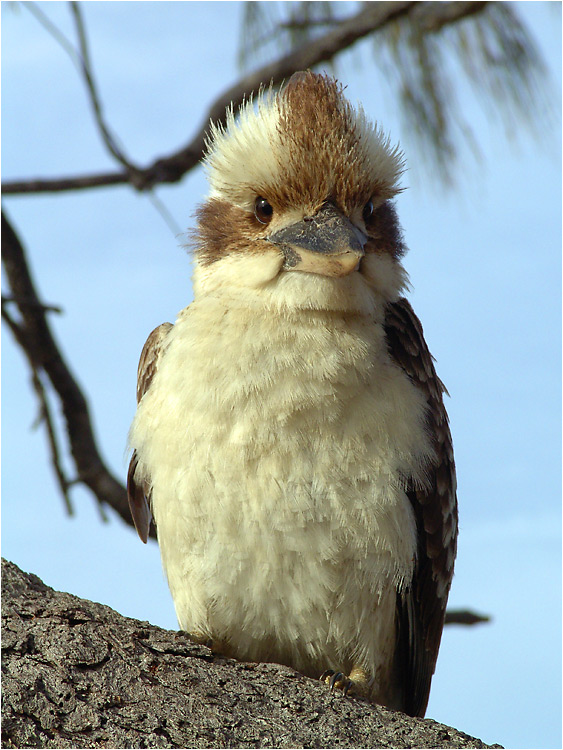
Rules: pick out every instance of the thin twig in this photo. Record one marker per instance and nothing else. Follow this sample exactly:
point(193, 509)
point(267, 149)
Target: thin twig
point(47, 419)
point(44, 415)
point(33, 303)
point(95, 101)
point(167, 217)
point(83, 63)
point(54, 31)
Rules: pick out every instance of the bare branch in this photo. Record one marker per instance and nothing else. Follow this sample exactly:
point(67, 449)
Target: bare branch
point(34, 335)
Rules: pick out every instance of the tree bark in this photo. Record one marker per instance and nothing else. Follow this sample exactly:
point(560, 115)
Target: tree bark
point(77, 674)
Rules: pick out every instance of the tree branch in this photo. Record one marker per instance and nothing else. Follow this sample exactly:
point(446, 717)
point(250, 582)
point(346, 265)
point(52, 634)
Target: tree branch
point(34, 335)
point(78, 674)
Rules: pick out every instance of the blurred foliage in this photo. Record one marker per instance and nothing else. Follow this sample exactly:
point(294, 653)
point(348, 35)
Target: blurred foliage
point(422, 61)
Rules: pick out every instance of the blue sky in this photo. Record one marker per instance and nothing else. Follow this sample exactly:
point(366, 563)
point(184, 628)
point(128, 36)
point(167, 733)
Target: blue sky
point(485, 267)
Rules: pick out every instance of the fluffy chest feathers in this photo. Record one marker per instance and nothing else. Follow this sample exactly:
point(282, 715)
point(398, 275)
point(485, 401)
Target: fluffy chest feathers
point(278, 447)
point(233, 379)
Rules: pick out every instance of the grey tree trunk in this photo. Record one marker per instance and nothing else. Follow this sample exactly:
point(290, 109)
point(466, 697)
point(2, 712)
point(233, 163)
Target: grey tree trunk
point(77, 674)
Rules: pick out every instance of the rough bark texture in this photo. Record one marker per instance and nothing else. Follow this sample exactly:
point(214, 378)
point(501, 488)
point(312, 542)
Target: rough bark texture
point(77, 674)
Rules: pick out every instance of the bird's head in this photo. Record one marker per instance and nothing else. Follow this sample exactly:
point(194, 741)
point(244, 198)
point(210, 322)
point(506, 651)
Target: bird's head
point(300, 202)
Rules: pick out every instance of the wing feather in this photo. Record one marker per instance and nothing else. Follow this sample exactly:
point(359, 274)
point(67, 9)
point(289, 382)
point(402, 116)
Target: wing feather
point(422, 608)
point(138, 492)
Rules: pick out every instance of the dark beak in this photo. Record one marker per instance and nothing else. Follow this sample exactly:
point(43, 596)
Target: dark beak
point(326, 243)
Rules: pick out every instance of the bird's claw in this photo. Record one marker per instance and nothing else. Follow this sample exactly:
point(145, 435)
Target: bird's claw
point(336, 680)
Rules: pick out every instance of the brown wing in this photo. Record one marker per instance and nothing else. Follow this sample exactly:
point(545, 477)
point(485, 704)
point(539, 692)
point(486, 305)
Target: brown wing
point(138, 494)
point(422, 608)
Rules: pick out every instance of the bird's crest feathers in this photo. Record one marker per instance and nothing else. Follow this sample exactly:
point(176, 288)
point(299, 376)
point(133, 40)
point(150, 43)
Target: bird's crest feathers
point(300, 147)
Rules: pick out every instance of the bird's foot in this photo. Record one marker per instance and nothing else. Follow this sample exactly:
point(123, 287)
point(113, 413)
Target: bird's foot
point(337, 680)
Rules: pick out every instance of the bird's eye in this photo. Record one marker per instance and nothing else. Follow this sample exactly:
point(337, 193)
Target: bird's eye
point(263, 210)
point(368, 210)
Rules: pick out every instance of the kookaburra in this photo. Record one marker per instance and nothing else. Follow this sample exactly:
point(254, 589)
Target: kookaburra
point(290, 437)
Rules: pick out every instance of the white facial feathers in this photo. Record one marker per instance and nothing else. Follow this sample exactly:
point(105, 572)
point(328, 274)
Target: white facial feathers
point(243, 152)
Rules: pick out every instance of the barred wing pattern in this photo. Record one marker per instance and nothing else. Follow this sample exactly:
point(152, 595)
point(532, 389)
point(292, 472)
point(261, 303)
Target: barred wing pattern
point(423, 607)
point(138, 495)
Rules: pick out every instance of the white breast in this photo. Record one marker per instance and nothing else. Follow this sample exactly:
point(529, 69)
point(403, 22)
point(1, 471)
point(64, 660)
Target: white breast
point(278, 447)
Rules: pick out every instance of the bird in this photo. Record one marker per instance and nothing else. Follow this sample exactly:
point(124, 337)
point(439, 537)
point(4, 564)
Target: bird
point(290, 440)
